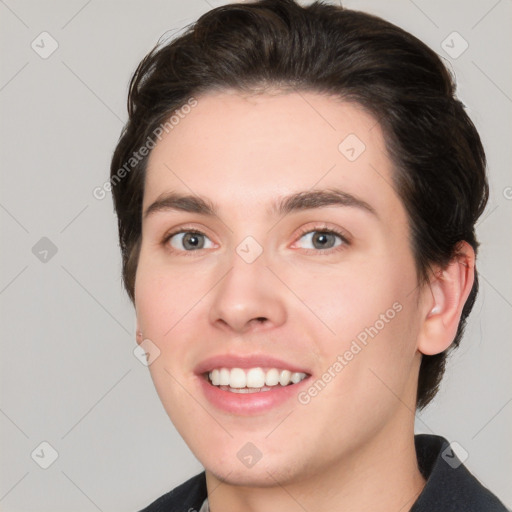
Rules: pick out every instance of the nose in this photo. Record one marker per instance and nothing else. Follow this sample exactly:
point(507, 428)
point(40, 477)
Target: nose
point(249, 297)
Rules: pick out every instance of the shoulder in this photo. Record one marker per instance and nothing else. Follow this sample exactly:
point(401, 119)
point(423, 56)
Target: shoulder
point(450, 486)
point(188, 496)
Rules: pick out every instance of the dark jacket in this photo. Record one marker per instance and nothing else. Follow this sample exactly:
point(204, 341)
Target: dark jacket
point(450, 486)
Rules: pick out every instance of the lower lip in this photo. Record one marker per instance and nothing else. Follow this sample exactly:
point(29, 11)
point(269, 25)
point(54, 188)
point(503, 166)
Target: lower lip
point(250, 403)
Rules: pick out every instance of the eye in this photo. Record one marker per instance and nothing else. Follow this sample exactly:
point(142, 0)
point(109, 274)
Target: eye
point(323, 239)
point(188, 241)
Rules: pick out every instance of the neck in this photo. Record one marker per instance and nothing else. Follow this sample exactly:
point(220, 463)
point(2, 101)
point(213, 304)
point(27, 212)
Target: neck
point(382, 475)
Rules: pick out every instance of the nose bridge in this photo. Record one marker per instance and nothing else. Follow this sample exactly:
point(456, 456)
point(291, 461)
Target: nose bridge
point(249, 291)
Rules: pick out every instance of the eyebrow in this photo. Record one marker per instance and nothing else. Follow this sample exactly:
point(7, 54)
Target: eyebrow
point(303, 200)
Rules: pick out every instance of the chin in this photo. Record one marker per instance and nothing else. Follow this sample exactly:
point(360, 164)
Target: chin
point(266, 472)
point(257, 476)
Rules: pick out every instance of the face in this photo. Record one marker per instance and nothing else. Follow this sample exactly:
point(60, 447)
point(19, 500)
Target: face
point(286, 277)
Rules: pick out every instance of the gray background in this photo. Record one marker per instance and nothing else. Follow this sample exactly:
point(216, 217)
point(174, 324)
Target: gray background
point(68, 373)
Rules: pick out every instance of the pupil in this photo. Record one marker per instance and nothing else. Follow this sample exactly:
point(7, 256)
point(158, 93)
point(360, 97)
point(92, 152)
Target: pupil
point(321, 237)
point(192, 239)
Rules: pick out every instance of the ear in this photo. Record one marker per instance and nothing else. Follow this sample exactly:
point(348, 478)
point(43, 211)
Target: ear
point(138, 334)
point(444, 299)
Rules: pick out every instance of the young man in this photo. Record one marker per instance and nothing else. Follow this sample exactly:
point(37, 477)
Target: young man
point(297, 190)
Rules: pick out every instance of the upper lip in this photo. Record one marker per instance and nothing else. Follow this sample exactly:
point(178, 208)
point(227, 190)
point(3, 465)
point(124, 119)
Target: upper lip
point(246, 361)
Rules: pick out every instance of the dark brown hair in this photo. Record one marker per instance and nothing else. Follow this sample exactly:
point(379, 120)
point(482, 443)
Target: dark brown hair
point(437, 154)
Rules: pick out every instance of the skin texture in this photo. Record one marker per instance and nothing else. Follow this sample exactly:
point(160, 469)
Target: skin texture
point(351, 446)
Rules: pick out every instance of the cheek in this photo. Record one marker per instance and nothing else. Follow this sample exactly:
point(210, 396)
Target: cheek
point(371, 314)
point(164, 302)
point(171, 312)
point(349, 299)
point(163, 296)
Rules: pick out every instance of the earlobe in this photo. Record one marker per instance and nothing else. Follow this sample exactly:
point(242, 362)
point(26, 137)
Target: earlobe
point(139, 335)
point(448, 291)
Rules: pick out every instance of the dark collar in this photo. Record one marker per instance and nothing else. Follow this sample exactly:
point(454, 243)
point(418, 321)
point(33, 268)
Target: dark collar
point(450, 486)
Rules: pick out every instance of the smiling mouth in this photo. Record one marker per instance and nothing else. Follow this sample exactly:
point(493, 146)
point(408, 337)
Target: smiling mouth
point(253, 380)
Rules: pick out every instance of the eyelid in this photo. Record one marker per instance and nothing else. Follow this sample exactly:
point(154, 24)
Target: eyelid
point(344, 235)
point(184, 228)
point(325, 227)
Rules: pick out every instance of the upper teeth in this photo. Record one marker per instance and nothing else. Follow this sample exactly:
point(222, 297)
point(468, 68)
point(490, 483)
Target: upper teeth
point(253, 377)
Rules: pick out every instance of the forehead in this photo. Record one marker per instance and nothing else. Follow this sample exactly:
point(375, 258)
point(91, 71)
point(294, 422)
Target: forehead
point(243, 151)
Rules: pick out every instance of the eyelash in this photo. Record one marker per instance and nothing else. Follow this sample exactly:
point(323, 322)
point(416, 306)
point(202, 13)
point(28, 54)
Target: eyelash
point(319, 228)
point(322, 228)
